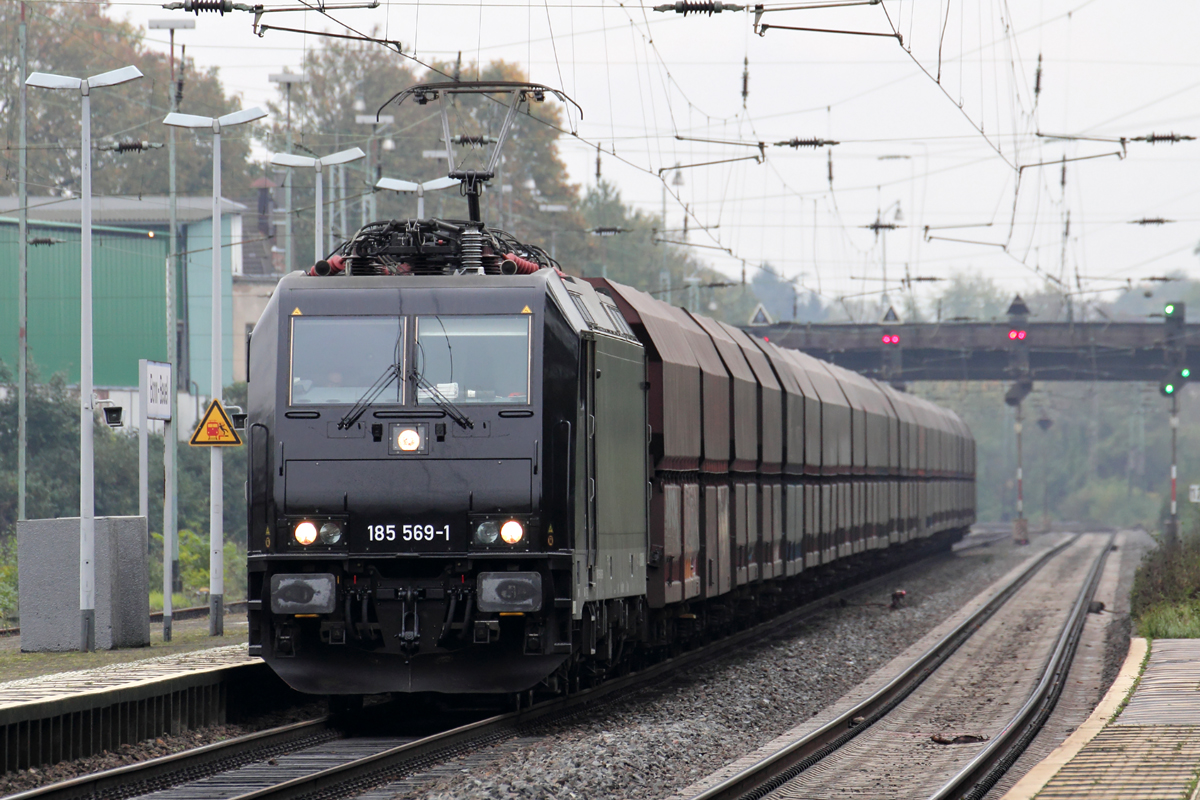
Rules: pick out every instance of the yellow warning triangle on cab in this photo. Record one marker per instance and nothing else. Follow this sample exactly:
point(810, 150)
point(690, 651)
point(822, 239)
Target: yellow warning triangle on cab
point(215, 429)
point(296, 312)
point(526, 310)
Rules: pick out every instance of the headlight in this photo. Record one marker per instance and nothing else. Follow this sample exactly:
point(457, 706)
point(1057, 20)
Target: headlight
point(487, 532)
point(306, 533)
point(512, 531)
point(331, 533)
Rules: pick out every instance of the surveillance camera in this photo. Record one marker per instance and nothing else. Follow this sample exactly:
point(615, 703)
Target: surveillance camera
point(112, 416)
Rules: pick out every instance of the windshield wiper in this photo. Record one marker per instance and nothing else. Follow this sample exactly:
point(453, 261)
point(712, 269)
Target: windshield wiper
point(441, 402)
point(369, 396)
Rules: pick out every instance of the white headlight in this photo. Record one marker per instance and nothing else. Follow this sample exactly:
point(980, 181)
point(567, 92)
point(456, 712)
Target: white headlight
point(306, 533)
point(512, 531)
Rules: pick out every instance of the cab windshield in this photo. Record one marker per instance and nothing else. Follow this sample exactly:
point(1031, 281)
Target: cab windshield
point(335, 360)
point(474, 360)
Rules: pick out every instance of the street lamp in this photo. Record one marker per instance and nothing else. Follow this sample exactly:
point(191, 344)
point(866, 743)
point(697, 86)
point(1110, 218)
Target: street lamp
point(318, 164)
point(420, 188)
point(286, 80)
point(87, 497)
point(216, 559)
point(374, 122)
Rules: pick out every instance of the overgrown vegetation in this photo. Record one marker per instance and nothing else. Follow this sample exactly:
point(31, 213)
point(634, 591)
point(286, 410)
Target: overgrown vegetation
point(1166, 590)
point(53, 487)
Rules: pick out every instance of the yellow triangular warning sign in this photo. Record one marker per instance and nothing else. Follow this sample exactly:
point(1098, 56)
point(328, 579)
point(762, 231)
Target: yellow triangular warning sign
point(526, 310)
point(296, 312)
point(215, 429)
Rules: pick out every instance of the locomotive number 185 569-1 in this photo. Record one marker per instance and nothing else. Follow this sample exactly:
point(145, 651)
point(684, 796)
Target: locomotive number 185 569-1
point(407, 533)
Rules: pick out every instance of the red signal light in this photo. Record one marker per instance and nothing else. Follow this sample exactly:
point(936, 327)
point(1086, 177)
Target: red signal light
point(891, 339)
point(1015, 335)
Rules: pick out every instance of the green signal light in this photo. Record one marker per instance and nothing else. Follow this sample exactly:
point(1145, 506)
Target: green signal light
point(1185, 373)
point(1169, 309)
point(1169, 388)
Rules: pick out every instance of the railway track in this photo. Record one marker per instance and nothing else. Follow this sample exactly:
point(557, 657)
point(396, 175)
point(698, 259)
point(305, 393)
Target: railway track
point(882, 745)
point(322, 759)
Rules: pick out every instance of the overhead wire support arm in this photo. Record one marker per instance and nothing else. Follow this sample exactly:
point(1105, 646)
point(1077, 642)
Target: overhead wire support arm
point(693, 244)
point(758, 159)
point(1118, 153)
point(762, 29)
point(261, 30)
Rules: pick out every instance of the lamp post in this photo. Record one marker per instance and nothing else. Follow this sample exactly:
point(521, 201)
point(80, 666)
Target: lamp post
point(170, 436)
point(286, 80)
point(216, 560)
point(87, 497)
point(318, 164)
point(420, 188)
point(375, 123)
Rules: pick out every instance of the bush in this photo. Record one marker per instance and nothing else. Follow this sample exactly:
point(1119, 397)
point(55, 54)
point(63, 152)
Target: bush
point(8, 578)
point(1168, 575)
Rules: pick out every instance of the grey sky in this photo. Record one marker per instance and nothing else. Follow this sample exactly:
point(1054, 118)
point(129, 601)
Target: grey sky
point(643, 77)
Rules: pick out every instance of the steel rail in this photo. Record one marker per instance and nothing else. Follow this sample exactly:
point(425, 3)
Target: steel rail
point(377, 768)
point(158, 773)
point(778, 768)
point(987, 767)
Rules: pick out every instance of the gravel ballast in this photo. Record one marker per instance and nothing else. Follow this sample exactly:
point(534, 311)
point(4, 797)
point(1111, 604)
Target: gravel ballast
point(654, 743)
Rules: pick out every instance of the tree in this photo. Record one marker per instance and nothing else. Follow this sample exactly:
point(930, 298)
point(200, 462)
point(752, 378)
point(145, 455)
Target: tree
point(82, 40)
point(972, 296)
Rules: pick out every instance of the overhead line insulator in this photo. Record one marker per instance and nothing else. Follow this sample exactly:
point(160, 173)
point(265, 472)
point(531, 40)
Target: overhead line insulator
point(1163, 138)
point(709, 7)
point(797, 143)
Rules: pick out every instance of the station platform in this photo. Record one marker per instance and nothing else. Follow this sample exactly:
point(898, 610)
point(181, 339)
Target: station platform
point(62, 706)
point(1142, 742)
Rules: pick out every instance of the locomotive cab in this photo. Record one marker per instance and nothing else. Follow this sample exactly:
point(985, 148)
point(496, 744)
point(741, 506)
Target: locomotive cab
point(423, 464)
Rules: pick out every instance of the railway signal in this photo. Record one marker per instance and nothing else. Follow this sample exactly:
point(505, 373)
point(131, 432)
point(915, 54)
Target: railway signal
point(1016, 335)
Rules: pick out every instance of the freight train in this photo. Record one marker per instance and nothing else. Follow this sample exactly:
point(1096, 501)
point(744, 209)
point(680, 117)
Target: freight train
point(472, 473)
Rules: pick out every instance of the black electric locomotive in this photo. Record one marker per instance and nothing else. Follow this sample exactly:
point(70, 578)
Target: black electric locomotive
point(490, 482)
point(471, 473)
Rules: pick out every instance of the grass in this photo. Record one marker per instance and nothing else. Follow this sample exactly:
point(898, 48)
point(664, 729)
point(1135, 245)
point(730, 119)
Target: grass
point(1136, 681)
point(1166, 590)
point(188, 635)
point(178, 600)
point(1169, 620)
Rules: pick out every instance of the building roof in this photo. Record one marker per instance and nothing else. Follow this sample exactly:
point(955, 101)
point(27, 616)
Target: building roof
point(147, 209)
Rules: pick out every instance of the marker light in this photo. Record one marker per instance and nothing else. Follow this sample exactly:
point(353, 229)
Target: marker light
point(1016, 335)
point(306, 533)
point(892, 338)
point(331, 533)
point(512, 532)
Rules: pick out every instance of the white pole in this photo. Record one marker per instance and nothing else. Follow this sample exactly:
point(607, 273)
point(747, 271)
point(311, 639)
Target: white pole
point(216, 560)
point(170, 445)
point(87, 500)
point(22, 280)
point(420, 201)
point(320, 218)
point(143, 443)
